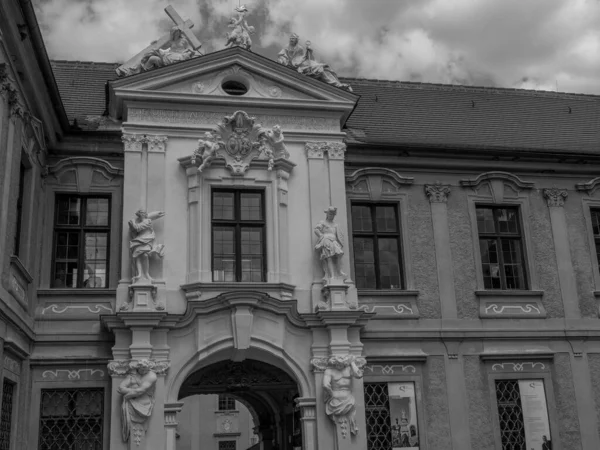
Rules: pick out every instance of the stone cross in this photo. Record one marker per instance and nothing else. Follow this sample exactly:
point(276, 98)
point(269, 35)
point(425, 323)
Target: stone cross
point(184, 26)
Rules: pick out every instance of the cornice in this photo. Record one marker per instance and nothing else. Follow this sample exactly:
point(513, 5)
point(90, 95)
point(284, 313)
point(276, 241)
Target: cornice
point(497, 175)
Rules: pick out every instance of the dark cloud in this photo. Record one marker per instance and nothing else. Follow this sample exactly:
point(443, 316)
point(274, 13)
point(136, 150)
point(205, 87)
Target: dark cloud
point(537, 44)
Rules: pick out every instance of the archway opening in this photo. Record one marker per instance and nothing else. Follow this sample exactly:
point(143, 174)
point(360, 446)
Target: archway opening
point(239, 405)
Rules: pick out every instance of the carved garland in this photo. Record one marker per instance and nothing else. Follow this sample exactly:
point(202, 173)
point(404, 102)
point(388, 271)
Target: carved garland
point(121, 367)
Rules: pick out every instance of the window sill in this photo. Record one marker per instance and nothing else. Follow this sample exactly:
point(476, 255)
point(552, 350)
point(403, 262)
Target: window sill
point(506, 304)
point(389, 303)
point(193, 291)
point(62, 292)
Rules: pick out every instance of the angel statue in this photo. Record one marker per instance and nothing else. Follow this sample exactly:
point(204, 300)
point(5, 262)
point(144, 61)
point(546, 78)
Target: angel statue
point(142, 244)
point(302, 59)
point(273, 145)
point(240, 36)
point(206, 149)
point(179, 49)
point(330, 247)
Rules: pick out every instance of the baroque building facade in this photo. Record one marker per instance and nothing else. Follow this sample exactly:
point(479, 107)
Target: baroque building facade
point(395, 265)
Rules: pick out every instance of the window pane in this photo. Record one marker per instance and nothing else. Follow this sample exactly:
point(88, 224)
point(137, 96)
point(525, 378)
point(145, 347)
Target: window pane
point(490, 264)
point(223, 254)
point(510, 414)
point(389, 266)
point(596, 222)
point(364, 263)
point(485, 220)
point(252, 254)
point(250, 204)
point(513, 267)
point(96, 212)
point(69, 210)
point(223, 206)
point(377, 415)
point(386, 219)
point(65, 275)
point(96, 248)
point(361, 219)
point(507, 220)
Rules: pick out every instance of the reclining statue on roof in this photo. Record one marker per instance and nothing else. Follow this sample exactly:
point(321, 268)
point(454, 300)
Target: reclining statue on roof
point(179, 50)
point(298, 58)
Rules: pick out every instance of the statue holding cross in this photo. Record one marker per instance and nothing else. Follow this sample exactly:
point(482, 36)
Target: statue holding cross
point(179, 45)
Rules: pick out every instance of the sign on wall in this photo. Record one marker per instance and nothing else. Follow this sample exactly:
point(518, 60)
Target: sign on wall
point(535, 415)
point(403, 416)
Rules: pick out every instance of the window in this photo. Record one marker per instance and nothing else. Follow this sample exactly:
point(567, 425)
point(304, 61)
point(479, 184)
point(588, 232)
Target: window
point(71, 419)
point(226, 403)
point(226, 445)
point(391, 416)
point(501, 246)
point(8, 390)
point(376, 239)
point(238, 236)
point(522, 414)
point(81, 240)
point(596, 230)
point(20, 196)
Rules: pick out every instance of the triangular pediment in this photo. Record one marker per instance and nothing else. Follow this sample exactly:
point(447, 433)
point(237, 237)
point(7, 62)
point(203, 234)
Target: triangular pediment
point(204, 79)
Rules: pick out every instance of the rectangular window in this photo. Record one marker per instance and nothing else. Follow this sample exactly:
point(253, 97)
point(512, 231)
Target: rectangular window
point(20, 195)
point(226, 445)
point(501, 246)
point(238, 236)
point(376, 239)
point(226, 403)
point(596, 230)
point(8, 391)
point(72, 419)
point(81, 242)
point(391, 416)
point(523, 415)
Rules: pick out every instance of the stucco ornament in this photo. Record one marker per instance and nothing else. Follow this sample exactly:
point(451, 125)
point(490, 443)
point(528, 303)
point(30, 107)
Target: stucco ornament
point(142, 244)
point(137, 390)
point(337, 390)
point(555, 197)
point(240, 35)
point(239, 140)
point(302, 59)
point(330, 248)
point(177, 49)
point(206, 150)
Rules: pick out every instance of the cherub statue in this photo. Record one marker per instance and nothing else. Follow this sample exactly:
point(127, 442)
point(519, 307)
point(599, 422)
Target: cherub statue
point(330, 247)
point(273, 145)
point(337, 387)
point(142, 243)
point(240, 36)
point(302, 59)
point(206, 150)
point(179, 50)
point(137, 390)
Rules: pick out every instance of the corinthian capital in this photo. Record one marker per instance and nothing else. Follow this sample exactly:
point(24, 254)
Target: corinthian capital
point(437, 192)
point(133, 142)
point(336, 150)
point(555, 196)
point(315, 150)
point(156, 143)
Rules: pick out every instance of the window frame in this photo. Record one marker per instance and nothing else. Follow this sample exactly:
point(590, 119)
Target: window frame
point(522, 375)
point(81, 229)
point(226, 399)
point(238, 224)
point(375, 235)
point(497, 236)
point(20, 210)
point(590, 204)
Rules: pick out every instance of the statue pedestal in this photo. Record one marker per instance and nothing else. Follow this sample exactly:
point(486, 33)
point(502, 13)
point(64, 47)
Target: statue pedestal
point(145, 297)
point(338, 297)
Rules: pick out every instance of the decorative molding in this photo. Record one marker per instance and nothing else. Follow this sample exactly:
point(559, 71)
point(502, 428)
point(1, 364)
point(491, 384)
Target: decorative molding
point(390, 369)
point(134, 142)
point(315, 150)
point(18, 291)
point(95, 309)
point(336, 150)
point(376, 183)
point(320, 364)
point(589, 186)
point(401, 309)
point(156, 144)
point(518, 366)
point(437, 192)
point(511, 304)
point(123, 366)
point(555, 197)
point(500, 309)
point(12, 365)
point(389, 304)
point(497, 181)
point(197, 118)
point(106, 168)
point(71, 374)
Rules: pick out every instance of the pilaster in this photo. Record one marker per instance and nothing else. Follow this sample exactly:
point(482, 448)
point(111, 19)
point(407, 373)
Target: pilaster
point(457, 398)
point(566, 275)
point(438, 198)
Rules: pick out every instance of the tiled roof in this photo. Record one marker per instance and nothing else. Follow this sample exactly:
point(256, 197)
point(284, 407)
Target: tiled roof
point(420, 114)
point(82, 86)
point(412, 114)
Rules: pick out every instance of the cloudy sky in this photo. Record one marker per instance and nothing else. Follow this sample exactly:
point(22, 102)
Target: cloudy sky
point(534, 44)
